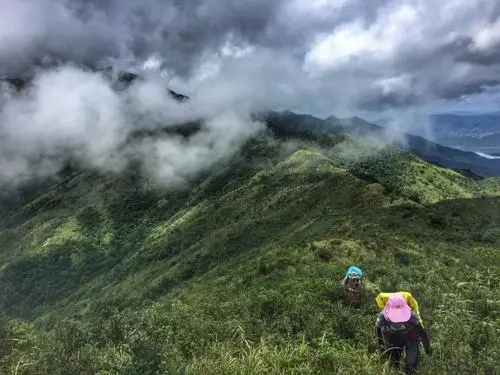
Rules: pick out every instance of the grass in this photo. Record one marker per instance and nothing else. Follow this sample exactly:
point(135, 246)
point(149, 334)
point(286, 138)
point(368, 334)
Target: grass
point(240, 273)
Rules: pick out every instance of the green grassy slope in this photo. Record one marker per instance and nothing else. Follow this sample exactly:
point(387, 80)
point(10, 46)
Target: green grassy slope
point(240, 273)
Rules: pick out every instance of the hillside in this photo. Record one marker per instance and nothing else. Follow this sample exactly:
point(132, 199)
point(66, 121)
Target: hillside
point(240, 272)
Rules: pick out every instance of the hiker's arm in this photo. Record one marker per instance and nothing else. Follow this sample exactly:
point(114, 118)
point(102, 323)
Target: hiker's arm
point(425, 339)
point(378, 330)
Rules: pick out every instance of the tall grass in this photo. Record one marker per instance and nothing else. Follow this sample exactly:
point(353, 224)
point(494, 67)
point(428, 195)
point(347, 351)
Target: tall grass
point(241, 274)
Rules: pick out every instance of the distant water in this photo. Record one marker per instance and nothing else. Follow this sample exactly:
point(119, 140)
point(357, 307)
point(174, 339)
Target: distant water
point(484, 152)
point(487, 156)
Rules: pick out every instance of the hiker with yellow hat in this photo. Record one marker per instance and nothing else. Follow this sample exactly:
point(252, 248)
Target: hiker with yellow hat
point(396, 328)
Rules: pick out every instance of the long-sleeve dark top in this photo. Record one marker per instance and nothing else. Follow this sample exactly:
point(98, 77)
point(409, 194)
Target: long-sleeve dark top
point(398, 333)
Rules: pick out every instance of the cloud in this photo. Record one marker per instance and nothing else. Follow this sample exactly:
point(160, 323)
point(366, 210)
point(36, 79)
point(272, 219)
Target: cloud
point(72, 114)
point(345, 45)
point(34, 31)
point(418, 41)
point(231, 57)
point(174, 161)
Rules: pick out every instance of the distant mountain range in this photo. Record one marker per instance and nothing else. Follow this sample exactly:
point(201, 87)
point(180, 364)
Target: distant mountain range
point(467, 131)
point(468, 162)
point(451, 129)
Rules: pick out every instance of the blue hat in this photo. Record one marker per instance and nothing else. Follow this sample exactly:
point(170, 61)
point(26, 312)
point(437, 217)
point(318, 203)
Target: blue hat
point(355, 270)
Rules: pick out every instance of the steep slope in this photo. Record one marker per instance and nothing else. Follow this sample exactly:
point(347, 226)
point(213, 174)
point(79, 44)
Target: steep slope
point(240, 273)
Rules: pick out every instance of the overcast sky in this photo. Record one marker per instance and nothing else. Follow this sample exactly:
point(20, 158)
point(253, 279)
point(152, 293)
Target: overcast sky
point(232, 57)
point(320, 56)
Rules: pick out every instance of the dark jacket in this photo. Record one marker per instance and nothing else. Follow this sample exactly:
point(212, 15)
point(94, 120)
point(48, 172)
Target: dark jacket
point(400, 334)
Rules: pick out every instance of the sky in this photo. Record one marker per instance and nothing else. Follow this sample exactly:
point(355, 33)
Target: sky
point(319, 55)
point(344, 57)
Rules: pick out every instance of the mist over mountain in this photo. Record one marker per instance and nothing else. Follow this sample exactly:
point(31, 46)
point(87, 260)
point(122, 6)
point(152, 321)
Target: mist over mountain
point(232, 59)
point(68, 113)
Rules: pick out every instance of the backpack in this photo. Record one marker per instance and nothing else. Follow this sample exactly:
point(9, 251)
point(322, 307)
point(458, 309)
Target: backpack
point(396, 332)
point(353, 283)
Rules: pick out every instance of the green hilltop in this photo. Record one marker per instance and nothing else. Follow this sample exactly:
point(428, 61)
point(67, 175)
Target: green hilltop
point(240, 272)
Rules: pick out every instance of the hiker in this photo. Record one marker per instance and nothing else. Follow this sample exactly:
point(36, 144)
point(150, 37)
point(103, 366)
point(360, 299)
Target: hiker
point(397, 329)
point(352, 283)
point(382, 299)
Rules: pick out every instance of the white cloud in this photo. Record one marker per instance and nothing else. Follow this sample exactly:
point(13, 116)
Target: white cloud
point(70, 113)
point(393, 85)
point(314, 56)
point(487, 37)
point(358, 43)
point(318, 5)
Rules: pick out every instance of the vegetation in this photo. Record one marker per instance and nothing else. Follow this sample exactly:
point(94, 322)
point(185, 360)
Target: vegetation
point(240, 273)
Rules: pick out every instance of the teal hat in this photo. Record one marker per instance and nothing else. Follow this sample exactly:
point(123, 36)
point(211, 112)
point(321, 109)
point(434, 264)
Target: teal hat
point(355, 270)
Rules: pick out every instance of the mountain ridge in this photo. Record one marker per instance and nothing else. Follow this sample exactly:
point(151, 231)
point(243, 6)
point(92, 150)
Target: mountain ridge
point(119, 275)
point(239, 272)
